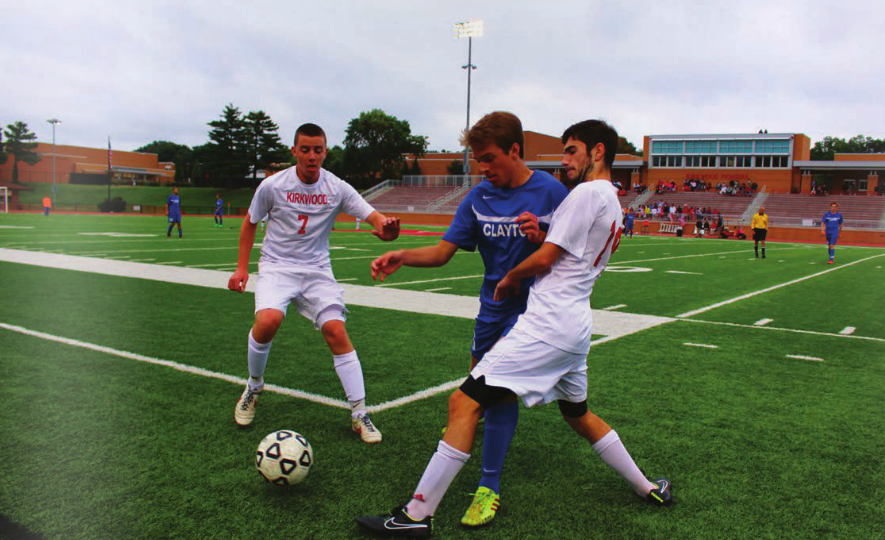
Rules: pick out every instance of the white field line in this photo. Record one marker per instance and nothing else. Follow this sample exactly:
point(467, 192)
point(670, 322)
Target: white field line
point(848, 330)
point(207, 264)
point(762, 322)
point(682, 256)
point(611, 308)
point(176, 366)
point(704, 345)
point(802, 357)
point(777, 329)
point(141, 260)
point(171, 262)
point(772, 288)
point(429, 280)
point(437, 289)
point(681, 272)
point(346, 279)
point(14, 227)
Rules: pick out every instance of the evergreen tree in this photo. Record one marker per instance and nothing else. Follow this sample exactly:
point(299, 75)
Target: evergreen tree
point(19, 143)
point(180, 154)
point(262, 142)
point(3, 156)
point(226, 157)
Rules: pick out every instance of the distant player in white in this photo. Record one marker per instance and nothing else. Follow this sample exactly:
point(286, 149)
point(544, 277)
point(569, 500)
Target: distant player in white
point(544, 357)
point(301, 204)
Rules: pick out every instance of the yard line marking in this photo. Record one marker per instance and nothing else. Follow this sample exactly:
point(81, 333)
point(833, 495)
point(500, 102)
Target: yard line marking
point(848, 330)
point(208, 264)
point(704, 345)
point(610, 308)
point(346, 279)
point(14, 227)
point(681, 272)
point(118, 257)
point(687, 256)
point(316, 398)
point(437, 289)
point(777, 329)
point(762, 322)
point(429, 280)
point(609, 324)
point(769, 289)
point(802, 357)
point(141, 260)
point(171, 262)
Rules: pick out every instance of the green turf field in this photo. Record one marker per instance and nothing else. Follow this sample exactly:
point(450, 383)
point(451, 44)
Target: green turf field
point(758, 444)
point(69, 195)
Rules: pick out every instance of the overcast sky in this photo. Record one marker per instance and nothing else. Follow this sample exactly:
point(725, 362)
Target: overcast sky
point(147, 70)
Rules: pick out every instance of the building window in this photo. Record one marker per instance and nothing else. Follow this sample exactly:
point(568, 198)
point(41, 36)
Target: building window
point(708, 161)
point(768, 162)
point(773, 147)
point(726, 161)
point(701, 147)
point(667, 147)
point(862, 184)
point(743, 161)
point(736, 147)
point(674, 161)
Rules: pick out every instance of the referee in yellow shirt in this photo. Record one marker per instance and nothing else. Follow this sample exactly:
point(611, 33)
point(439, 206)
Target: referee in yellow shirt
point(760, 230)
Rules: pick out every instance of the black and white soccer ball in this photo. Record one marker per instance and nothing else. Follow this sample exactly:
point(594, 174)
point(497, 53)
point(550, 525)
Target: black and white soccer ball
point(284, 458)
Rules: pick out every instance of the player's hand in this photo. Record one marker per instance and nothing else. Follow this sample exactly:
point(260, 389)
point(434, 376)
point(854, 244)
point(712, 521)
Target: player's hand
point(529, 227)
point(389, 229)
point(507, 287)
point(237, 282)
point(386, 264)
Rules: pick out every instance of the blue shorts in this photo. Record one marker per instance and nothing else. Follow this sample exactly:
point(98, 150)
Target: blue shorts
point(219, 212)
point(832, 237)
point(175, 218)
point(629, 227)
point(489, 329)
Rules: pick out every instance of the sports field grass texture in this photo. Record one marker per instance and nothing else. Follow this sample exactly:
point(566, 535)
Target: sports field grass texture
point(768, 429)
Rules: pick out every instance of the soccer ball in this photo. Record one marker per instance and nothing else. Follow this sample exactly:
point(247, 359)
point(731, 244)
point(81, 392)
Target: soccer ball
point(284, 458)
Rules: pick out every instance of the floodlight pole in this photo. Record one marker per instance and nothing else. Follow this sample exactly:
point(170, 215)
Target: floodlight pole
point(469, 67)
point(54, 123)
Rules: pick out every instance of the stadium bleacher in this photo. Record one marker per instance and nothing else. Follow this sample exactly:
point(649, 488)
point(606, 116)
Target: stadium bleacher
point(728, 205)
point(784, 208)
point(418, 197)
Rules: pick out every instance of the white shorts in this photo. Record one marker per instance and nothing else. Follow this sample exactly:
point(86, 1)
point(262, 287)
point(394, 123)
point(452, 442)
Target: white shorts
point(535, 371)
point(314, 291)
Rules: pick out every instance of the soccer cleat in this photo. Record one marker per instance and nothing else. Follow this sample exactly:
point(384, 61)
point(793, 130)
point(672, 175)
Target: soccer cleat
point(660, 496)
point(483, 508)
point(245, 411)
point(398, 523)
point(367, 430)
point(831, 261)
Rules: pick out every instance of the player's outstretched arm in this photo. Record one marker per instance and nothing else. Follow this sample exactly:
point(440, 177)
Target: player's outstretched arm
point(537, 263)
point(386, 228)
point(530, 228)
point(237, 282)
point(423, 257)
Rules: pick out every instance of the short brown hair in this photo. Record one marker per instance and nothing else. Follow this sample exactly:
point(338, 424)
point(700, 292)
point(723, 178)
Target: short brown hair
point(309, 130)
point(499, 127)
point(593, 132)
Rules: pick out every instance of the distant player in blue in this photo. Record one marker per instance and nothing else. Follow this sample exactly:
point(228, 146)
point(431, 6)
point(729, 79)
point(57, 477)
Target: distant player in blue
point(629, 219)
point(831, 226)
point(506, 217)
point(219, 210)
point(173, 211)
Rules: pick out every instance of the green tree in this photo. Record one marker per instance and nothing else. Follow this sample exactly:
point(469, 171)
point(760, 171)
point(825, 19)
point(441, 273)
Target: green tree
point(375, 146)
point(456, 167)
point(3, 156)
point(226, 158)
point(626, 147)
point(334, 161)
point(262, 142)
point(19, 143)
point(828, 147)
point(180, 154)
point(416, 168)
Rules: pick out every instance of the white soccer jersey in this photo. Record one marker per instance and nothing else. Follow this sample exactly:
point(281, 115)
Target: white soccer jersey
point(301, 216)
point(587, 225)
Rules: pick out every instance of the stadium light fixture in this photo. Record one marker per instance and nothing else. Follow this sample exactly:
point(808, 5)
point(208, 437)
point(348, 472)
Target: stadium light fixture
point(54, 122)
point(469, 30)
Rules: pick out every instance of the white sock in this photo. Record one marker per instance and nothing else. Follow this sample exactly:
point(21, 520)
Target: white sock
point(612, 451)
point(442, 469)
point(348, 368)
point(257, 361)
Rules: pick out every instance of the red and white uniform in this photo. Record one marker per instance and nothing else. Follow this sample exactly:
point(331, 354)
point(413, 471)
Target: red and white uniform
point(544, 357)
point(294, 263)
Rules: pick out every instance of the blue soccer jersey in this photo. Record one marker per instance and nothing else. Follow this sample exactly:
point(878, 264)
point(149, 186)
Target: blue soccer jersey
point(486, 219)
point(174, 204)
point(628, 220)
point(219, 206)
point(832, 221)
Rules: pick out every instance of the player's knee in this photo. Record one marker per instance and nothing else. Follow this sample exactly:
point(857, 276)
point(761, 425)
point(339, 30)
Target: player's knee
point(462, 404)
point(267, 322)
point(571, 409)
point(334, 332)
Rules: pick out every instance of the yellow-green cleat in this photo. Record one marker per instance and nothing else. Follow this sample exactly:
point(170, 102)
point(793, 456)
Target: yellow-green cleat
point(483, 508)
